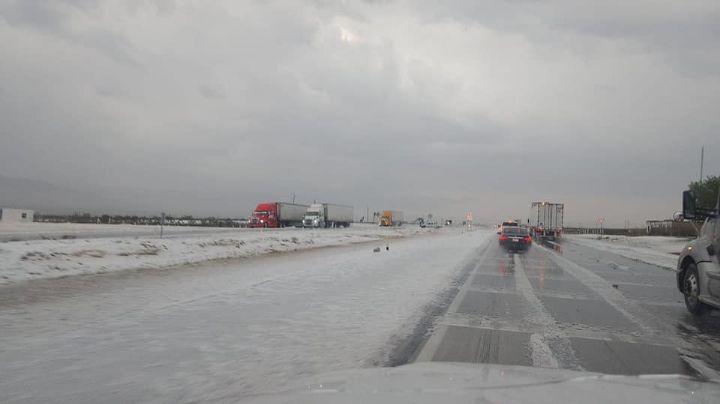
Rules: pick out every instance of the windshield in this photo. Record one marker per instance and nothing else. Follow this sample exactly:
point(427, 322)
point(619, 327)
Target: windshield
point(208, 201)
point(516, 231)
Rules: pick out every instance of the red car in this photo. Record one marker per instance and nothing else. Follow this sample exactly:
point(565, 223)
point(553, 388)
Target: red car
point(515, 238)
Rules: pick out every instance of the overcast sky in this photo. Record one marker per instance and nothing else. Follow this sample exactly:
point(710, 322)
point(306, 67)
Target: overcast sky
point(208, 107)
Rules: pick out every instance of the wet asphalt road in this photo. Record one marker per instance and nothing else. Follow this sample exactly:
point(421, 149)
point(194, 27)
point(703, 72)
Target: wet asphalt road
point(221, 331)
point(574, 307)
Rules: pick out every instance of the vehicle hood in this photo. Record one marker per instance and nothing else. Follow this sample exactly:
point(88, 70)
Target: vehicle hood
point(432, 382)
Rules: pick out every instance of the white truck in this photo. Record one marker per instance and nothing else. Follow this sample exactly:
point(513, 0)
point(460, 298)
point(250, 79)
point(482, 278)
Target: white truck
point(546, 220)
point(328, 215)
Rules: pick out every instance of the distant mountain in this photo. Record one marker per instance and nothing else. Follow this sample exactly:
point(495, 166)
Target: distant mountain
point(46, 197)
point(43, 196)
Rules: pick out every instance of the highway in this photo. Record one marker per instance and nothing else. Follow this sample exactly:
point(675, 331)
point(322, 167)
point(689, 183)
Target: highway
point(575, 309)
point(224, 331)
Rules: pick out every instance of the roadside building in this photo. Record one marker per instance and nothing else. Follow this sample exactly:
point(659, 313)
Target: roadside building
point(9, 215)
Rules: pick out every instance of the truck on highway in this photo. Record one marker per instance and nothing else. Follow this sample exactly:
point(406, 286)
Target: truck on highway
point(277, 214)
point(546, 220)
point(698, 267)
point(328, 215)
point(391, 218)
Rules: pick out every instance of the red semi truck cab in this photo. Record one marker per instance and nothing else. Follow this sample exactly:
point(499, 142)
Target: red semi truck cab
point(278, 214)
point(265, 215)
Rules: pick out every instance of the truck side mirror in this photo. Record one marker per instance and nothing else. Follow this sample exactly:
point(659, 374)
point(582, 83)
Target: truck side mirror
point(689, 207)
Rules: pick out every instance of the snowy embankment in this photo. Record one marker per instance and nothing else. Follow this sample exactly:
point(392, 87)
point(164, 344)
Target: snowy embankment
point(228, 331)
point(34, 259)
point(655, 250)
point(64, 231)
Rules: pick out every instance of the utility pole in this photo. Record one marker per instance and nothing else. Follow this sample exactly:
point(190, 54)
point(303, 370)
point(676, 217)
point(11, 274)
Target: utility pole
point(293, 197)
point(702, 158)
point(162, 223)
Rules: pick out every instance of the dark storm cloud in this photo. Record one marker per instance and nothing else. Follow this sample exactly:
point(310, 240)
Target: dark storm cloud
point(209, 107)
point(684, 34)
point(55, 18)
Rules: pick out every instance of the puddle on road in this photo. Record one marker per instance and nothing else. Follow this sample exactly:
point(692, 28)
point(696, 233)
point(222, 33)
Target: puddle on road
point(508, 306)
point(482, 345)
point(503, 282)
point(569, 287)
point(597, 313)
point(619, 357)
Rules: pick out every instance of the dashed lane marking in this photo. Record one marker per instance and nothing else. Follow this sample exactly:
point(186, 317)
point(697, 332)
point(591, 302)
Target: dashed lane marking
point(650, 325)
point(611, 295)
point(542, 354)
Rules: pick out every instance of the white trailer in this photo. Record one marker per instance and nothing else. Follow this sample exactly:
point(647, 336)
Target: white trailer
point(290, 214)
point(546, 220)
point(328, 215)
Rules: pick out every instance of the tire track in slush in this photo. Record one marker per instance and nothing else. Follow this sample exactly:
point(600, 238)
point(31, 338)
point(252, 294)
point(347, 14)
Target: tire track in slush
point(405, 349)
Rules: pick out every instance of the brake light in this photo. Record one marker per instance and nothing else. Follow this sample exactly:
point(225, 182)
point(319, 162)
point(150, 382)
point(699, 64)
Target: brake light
point(527, 239)
point(503, 237)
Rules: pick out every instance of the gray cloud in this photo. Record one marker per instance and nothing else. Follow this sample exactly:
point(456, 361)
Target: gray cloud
point(208, 108)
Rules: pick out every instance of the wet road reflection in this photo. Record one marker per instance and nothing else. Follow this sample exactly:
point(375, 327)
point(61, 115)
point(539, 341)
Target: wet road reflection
point(577, 307)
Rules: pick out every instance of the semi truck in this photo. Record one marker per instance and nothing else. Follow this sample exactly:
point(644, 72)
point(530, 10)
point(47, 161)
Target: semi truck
point(277, 214)
point(546, 220)
point(328, 215)
point(391, 218)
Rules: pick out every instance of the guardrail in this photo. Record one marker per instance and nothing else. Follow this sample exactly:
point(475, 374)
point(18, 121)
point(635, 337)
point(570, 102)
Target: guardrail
point(676, 229)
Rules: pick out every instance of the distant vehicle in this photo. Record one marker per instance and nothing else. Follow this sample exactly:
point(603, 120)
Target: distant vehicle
point(391, 218)
point(277, 214)
point(431, 223)
point(507, 223)
point(448, 222)
point(698, 269)
point(515, 238)
point(546, 220)
point(328, 215)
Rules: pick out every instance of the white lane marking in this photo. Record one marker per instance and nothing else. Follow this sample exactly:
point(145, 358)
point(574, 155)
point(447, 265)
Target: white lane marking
point(611, 295)
point(527, 327)
point(660, 330)
point(432, 345)
point(542, 355)
point(703, 369)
